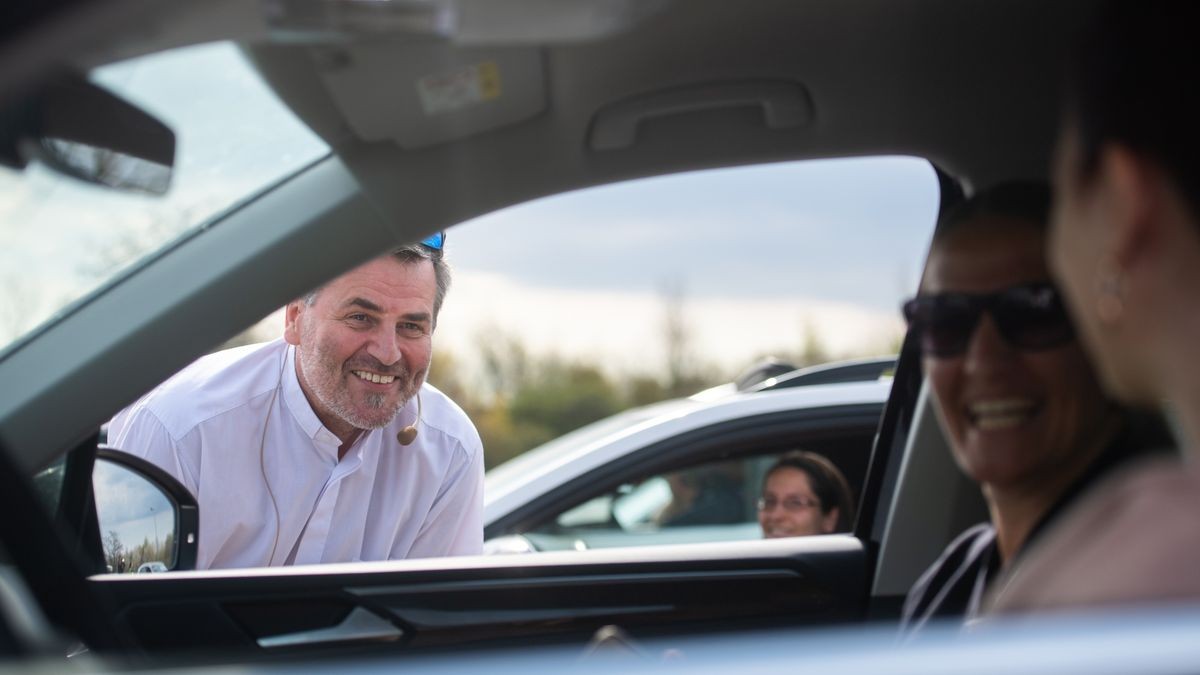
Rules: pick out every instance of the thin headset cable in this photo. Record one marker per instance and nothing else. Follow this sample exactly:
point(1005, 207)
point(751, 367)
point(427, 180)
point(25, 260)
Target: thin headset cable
point(416, 422)
point(262, 463)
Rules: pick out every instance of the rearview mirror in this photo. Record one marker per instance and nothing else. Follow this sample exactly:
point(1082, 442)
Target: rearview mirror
point(84, 131)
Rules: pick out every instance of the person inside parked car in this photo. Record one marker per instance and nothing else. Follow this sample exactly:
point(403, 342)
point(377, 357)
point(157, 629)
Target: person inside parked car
point(1126, 245)
point(705, 495)
point(804, 494)
point(326, 445)
point(1013, 390)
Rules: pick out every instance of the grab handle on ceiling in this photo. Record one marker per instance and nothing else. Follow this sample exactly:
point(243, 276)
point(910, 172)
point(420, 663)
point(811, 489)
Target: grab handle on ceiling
point(785, 105)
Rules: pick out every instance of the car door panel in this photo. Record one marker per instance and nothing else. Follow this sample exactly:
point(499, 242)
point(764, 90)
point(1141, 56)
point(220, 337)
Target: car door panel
point(566, 596)
point(443, 603)
point(504, 600)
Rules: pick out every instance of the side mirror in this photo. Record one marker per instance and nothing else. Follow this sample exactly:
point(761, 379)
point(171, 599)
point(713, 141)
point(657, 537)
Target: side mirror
point(149, 522)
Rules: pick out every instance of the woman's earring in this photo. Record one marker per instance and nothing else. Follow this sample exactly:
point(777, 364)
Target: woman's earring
point(1110, 296)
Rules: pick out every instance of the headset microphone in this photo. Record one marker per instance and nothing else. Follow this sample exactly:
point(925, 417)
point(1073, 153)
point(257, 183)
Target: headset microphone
point(408, 434)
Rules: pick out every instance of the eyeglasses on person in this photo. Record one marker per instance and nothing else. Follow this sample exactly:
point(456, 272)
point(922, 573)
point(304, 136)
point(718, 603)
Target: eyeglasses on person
point(1029, 317)
point(791, 504)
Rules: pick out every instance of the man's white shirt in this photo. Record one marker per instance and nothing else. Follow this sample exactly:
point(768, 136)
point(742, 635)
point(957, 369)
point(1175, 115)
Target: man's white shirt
point(236, 429)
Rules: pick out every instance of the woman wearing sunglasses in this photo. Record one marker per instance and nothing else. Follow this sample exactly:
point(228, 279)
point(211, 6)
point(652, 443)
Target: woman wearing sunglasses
point(1014, 392)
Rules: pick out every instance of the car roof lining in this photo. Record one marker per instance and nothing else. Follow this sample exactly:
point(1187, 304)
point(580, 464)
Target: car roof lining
point(851, 57)
point(873, 101)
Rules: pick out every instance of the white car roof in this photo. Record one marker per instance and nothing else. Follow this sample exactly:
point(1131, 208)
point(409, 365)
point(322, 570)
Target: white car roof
point(531, 474)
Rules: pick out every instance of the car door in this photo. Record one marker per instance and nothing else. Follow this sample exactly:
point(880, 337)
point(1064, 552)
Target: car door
point(419, 605)
point(439, 603)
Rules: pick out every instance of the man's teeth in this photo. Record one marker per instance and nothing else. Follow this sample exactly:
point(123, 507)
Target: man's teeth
point(373, 377)
point(1000, 414)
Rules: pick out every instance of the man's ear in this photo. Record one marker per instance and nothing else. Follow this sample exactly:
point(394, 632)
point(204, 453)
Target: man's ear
point(291, 321)
point(1135, 202)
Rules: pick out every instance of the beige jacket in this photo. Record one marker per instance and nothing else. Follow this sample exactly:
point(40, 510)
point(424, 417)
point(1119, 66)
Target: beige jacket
point(1134, 539)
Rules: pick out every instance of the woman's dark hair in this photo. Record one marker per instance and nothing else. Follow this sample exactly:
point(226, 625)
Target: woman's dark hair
point(1132, 79)
point(1027, 201)
point(828, 484)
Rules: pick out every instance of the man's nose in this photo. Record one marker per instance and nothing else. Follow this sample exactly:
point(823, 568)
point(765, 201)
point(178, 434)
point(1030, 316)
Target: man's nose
point(987, 346)
point(385, 346)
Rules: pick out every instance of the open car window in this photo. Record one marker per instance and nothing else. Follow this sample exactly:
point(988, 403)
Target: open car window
point(701, 492)
point(583, 320)
point(708, 502)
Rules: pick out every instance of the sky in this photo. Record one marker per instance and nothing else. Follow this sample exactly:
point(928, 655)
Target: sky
point(759, 258)
point(130, 506)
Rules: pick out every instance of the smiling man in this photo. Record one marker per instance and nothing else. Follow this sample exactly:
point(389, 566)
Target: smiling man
point(328, 445)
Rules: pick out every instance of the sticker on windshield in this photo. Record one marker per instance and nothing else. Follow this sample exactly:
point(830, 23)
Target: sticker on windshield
point(460, 88)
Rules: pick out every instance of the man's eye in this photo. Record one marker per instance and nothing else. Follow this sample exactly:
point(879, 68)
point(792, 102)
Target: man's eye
point(359, 318)
point(412, 328)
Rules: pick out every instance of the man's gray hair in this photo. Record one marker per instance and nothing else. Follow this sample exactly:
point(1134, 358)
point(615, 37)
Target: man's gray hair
point(410, 255)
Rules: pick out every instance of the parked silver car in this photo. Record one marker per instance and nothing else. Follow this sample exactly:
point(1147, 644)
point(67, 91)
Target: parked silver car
point(609, 483)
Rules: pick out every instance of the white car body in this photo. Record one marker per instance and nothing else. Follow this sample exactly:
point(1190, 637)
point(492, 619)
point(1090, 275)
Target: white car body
point(528, 477)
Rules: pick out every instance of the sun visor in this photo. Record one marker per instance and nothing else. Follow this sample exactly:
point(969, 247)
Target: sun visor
point(424, 94)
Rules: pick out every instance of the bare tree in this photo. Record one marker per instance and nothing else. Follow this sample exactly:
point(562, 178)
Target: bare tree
point(814, 351)
point(676, 336)
point(114, 552)
point(506, 362)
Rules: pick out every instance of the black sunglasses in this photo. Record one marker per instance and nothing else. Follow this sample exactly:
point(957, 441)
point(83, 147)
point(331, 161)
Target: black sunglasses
point(1029, 317)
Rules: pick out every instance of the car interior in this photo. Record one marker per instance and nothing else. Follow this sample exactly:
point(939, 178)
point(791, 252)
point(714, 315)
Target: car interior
point(593, 92)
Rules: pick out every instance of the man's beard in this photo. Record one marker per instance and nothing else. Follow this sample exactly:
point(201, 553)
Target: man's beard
point(326, 377)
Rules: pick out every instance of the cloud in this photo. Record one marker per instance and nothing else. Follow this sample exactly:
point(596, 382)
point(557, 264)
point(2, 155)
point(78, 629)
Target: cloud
point(850, 231)
point(130, 506)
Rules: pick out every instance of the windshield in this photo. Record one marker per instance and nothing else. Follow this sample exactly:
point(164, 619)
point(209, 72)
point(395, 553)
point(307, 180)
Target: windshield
point(61, 239)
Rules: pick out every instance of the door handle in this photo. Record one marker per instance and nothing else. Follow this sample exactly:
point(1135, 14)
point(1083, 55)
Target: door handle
point(360, 625)
point(785, 105)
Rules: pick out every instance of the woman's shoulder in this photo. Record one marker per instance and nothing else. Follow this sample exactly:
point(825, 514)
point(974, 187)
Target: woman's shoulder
point(1134, 538)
